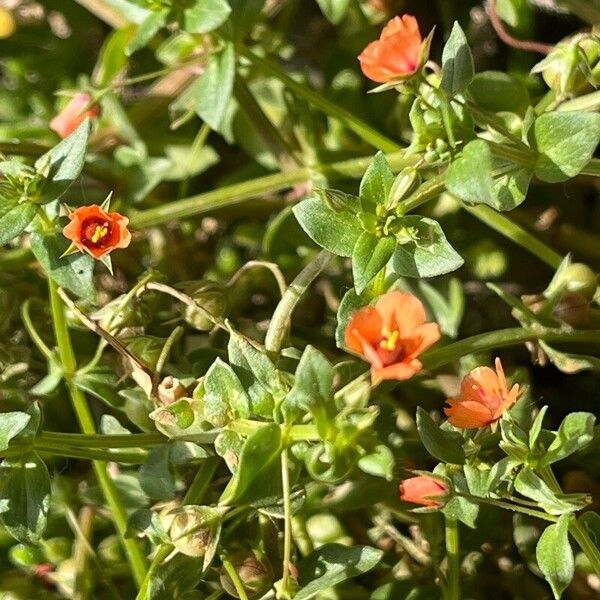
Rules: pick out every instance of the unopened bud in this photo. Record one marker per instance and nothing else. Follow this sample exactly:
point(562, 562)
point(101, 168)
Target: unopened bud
point(406, 181)
point(254, 573)
point(25, 556)
point(582, 280)
point(194, 529)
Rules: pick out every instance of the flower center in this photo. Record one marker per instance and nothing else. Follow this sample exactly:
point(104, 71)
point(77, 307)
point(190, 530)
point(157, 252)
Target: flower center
point(96, 233)
point(390, 339)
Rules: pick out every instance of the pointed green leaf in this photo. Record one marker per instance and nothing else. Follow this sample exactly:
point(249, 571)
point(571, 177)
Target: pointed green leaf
point(369, 256)
point(555, 556)
point(457, 62)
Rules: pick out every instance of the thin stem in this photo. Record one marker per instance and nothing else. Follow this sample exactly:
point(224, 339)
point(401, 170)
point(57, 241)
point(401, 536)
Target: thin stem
point(453, 558)
point(32, 331)
point(362, 129)
point(235, 578)
point(238, 193)
point(254, 264)
point(287, 516)
point(494, 340)
point(135, 556)
point(512, 507)
point(517, 234)
point(282, 315)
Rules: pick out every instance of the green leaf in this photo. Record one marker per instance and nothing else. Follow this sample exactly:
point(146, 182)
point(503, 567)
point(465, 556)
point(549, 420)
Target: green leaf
point(101, 383)
point(11, 424)
point(62, 165)
point(259, 471)
point(369, 256)
point(225, 398)
point(112, 58)
point(532, 486)
point(334, 10)
point(566, 142)
point(205, 15)
point(146, 30)
point(73, 272)
point(496, 91)
point(335, 231)
point(156, 474)
point(457, 62)
point(379, 462)
point(24, 496)
point(568, 362)
point(377, 181)
point(351, 302)
point(332, 564)
point(458, 507)
point(445, 445)
point(14, 218)
point(212, 91)
point(471, 178)
point(555, 556)
point(536, 427)
point(244, 13)
point(313, 382)
point(423, 250)
point(448, 311)
point(575, 432)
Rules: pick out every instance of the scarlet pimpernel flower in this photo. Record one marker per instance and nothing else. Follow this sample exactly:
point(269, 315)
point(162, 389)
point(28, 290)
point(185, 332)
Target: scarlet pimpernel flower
point(423, 490)
point(391, 335)
point(96, 231)
point(399, 52)
point(484, 398)
point(74, 114)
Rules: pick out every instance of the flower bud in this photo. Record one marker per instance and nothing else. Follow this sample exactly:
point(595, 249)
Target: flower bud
point(406, 181)
point(582, 280)
point(424, 490)
point(7, 24)
point(211, 299)
point(169, 390)
point(254, 573)
point(57, 549)
point(24, 556)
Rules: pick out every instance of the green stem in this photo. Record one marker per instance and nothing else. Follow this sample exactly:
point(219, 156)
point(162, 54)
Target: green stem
point(517, 234)
point(512, 507)
point(130, 440)
point(231, 195)
point(282, 315)
point(135, 556)
point(32, 331)
point(287, 516)
point(591, 551)
point(453, 558)
point(362, 129)
point(494, 340)
point(235, 578)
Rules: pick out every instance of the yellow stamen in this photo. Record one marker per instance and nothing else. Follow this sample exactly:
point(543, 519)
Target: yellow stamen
point(100, 232)
point(390, 339)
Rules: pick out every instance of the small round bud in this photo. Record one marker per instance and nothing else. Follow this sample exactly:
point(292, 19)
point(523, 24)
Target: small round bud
point(7, 24)
point(254, 573)
point(57, 549)
point(25, 556)
point(581, 279)
point(194, 529)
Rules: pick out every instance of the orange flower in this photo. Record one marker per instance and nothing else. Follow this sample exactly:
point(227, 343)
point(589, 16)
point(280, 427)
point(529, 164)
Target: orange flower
point(391, 334)
point(74, 114)
point(97, 232)
point(484, 397)
point(398, 53)
point(423, 490)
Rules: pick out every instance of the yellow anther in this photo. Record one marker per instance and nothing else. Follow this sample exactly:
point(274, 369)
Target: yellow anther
point(100, 232)
point(390, 339)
